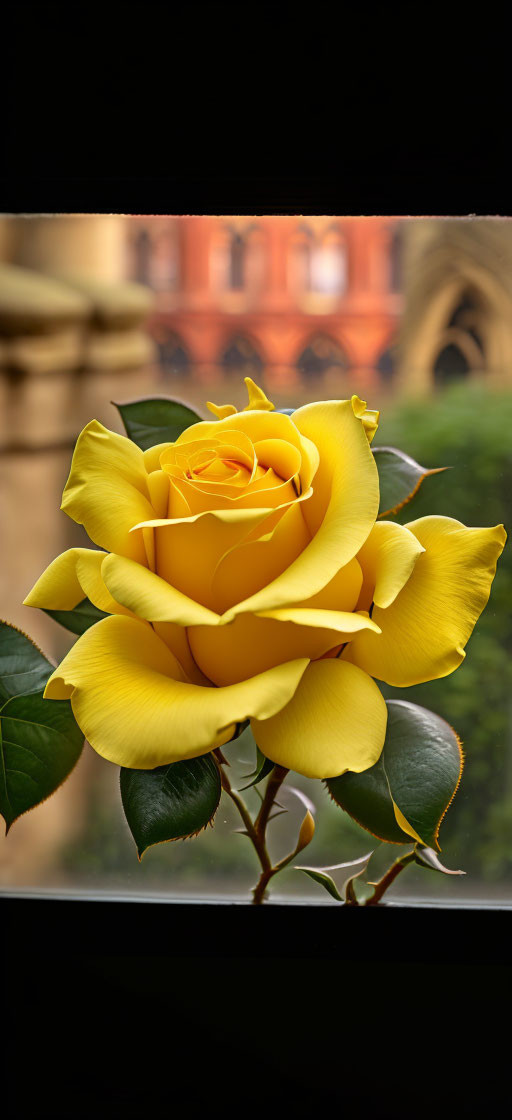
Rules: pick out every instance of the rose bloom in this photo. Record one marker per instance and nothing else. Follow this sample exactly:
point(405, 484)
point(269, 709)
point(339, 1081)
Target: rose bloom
point(245, 576)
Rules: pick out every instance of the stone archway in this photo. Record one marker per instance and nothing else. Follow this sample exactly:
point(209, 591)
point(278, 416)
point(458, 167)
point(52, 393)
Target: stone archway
point(173, 356)
point(458, 312)
point(320, 355)
point(240, 357)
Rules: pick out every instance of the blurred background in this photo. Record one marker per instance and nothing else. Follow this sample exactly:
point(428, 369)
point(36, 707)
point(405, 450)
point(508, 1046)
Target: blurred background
point(414, 315)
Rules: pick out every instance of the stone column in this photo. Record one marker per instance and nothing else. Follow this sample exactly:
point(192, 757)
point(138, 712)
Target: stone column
point(92, 246)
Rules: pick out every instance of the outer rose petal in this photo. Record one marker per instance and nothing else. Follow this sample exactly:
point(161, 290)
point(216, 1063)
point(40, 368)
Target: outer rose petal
point(149, 597)
point(425, 629)
point(340, 513)
point(132, 701)
point(336, 721)
point(251, 644)
point(71, 577)
point(387, 559)
point(369, 417)
point(107, 490)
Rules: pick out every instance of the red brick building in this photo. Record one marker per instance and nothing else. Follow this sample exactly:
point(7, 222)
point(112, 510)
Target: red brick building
point(282, 298)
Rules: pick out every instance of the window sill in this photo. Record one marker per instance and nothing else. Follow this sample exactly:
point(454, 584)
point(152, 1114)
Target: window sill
point(71, 924)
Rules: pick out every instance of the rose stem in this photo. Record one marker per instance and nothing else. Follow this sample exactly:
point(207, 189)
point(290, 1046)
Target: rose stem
point(275, 780)
point(388, 878)
point(256, 830)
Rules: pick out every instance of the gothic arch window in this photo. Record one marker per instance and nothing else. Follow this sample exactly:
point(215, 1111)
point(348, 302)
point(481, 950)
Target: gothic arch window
point(172, 354)
point(142, 250)
point(461, 348)
point(451, 365)
point(386, 364)
point(240, 358)
point(237, 255)
point(466, 317)
point(320, 355)
point(155, 257)
point(238, 259)
point(300, 259)
point(164, 260)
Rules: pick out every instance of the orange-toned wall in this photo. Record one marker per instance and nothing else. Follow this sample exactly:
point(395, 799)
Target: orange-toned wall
point(273, 313)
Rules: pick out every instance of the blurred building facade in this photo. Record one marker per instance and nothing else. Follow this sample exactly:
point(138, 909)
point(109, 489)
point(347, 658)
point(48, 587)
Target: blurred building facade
point(292, 300)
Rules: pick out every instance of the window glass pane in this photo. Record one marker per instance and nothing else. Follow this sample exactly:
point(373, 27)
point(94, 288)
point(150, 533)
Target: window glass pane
point(412, 315)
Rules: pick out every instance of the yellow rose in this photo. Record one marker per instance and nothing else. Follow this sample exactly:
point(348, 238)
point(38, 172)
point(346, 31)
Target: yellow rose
point(246, 577)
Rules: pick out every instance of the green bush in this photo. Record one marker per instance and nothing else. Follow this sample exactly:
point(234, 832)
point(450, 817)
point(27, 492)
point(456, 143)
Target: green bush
point(467, 428)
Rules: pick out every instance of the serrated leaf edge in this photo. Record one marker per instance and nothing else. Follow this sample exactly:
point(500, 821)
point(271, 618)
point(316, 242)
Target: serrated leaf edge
point(426, 473)
point(462, 757)
point(360, 823)
point(175, 839)
point(48, 795)
point(410, 836)
point(34, 644)
point(37, 692)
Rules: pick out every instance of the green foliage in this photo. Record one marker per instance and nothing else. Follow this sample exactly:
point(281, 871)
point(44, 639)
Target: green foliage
point(39, 739)
point(427, 857)
point(409, 789)
point(467, 428)
point(23, 668)
point(156, 420)
point(80, 618)
point(262, 770)
point(170, 802)
point(320, 875)
point(324, 880)
point(399, 478)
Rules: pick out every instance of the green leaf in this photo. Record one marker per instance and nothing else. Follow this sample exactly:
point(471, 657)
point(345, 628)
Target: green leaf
point(427, 857)
point(354, 891)
point(399, 478)
point(263, 767)
point(366, 798)
point(155, 420)
point(39, 739)
point(23, 668)
point(39, 746)
point(325, 881)
point(78, 620)
point(319, 874)
point(406, 794)
point(171, 802)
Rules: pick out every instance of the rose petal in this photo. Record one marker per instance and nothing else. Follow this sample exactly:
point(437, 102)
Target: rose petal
point(130, 697)
point(107, 490)
point(245, 568)
point(252, 643)
point(387, 559)
point(70, 578)
point(425, 629)
point(336, 721)
point(151, 598)
point(340, 513)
